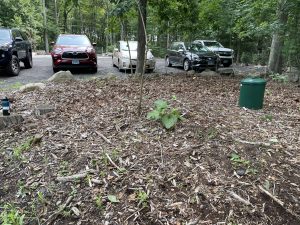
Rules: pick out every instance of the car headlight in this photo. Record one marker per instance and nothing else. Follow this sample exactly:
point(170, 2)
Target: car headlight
point(5, 47)
point(58, 51)
point(90, 50)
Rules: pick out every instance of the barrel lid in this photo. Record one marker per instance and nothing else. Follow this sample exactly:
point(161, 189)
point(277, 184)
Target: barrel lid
point(251, 80)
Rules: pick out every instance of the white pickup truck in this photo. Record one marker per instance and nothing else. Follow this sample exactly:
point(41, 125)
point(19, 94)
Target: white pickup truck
point(226, 54)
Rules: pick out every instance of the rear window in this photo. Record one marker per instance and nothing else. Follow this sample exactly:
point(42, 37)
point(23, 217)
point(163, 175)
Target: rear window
point(5, 35)
point(73, 40)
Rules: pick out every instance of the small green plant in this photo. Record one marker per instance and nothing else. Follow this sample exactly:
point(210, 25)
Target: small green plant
point(41, 197)
point(279, 77)
point(142, 197)
point(17, 151)
point(22, 190)
point(236, 160)
point(267, 117)
point(64, 168)
point(99, 202)
point(165, 114)
point(11, 216)
point(112, 198)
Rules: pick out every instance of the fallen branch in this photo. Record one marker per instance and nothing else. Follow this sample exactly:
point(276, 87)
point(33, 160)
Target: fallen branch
point(239, 198)
point(251, 143)
point(104, 138)
point(112, 162)
point(61, 209)
point(75, 176)
point(278, 201)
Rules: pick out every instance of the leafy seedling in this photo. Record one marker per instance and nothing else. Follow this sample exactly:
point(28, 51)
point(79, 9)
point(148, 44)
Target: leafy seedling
point(112, 199)
point(165, 114)
point(11, 216)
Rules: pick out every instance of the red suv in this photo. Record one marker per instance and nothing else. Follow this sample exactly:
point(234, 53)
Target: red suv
point(72, 51)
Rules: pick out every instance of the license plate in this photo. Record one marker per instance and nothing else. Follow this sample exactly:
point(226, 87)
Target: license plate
point(210, 63)
point(225, 61)
point(75, 61)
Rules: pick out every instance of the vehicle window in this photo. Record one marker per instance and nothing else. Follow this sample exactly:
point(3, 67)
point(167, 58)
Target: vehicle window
point(73, 40)
point(198, 48)
point(5, 35)
point(132, 46)
point(23, 36)
point(174, 46)
point(212, 44)
point(16, 33)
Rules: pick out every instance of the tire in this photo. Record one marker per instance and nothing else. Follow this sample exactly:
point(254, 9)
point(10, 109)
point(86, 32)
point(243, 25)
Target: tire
point(13, 67)
point(95, 70)
point(186, 65)
point(55, 70)
point(167, 62)
point(28, 61)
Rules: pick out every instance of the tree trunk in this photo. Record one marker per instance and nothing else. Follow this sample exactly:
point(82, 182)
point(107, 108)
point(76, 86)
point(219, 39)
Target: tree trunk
point(275, 57)
point(141, 36)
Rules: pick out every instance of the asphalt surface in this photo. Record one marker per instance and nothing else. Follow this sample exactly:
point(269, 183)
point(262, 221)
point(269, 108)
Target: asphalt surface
point(42, 70)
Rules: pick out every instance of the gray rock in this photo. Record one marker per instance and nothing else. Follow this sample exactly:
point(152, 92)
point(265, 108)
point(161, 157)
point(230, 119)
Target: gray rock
point(226, 71)
point(12, 119)
point(43, 109)
point(208, 72)
point(191, 73)
point(32, 87)
point(61, 76)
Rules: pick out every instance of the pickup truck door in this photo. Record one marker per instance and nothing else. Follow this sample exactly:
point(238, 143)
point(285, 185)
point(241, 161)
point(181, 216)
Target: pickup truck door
point(20, 45)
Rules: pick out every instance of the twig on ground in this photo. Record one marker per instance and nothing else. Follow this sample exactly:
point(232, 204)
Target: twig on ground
point(104, 138)
point(251, 143)
point(278, 201)
point(75, 176)
point(239, 198)
point(53, 216)
point(112, 162)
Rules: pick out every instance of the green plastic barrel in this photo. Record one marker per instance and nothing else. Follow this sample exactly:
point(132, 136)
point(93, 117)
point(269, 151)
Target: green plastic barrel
point(252, 92)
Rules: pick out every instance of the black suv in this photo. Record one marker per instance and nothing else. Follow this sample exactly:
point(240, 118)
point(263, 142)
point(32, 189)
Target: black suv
point(14, 47)
point(194, 56)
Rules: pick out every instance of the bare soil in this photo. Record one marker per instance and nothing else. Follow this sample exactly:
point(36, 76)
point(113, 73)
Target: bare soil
point(95, 161)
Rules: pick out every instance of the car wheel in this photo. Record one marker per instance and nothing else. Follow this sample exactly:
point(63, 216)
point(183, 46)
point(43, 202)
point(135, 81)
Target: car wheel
point(95, 70)
point(28, 61)
point(186, 65)
point(112, 58)
point(55, 70)
point(167, 62)
point(13, 68)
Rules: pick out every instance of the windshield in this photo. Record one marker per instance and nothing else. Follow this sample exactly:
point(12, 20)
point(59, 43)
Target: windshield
point(132, 46)
point(73, 40)
point(199, 48)
point(5, 36)
point(213, 44)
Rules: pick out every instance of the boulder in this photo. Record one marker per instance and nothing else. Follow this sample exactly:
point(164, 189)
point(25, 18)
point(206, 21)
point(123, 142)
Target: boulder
point(226, 71)
point(61, 76)
point(43, 109)
point(208, 72)
point(13, 119)
point(32, 87)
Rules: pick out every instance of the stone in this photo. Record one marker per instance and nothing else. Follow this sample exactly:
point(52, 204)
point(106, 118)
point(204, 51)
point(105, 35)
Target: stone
point(43, 109)
point(12, 119)
point(226, 71)
point(32, 87)
point(208, 72)
point(62, 76)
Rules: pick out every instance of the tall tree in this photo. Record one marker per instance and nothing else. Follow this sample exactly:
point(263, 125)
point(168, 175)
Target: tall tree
point(141, 35)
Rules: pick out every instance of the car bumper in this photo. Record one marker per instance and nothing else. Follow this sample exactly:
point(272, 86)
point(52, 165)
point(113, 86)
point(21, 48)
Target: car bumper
point(206, 64)
point(124, 64)
point(5, 58)
point(70, 64)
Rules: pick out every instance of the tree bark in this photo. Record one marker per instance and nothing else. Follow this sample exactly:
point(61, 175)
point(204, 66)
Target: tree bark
point(141, 36)
point(275, 58)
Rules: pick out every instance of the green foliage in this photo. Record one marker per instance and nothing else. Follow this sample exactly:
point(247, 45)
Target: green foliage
point(142, 197)
point(236, 160)
point(165, 114)
point(11, 216)
point(17, 151)
point(99, 202)
point(279, 77)
point(112, 198)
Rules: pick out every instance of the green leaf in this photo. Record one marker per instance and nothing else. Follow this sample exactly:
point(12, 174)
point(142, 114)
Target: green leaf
point(234, 157)
point(153, 115)
point(112, 198)
point(169, 120)
point(160, 104)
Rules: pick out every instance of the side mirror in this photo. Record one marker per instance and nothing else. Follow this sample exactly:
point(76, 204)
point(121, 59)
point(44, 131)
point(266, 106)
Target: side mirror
point(94, 44)
point(52, 43)
point(18, 39)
